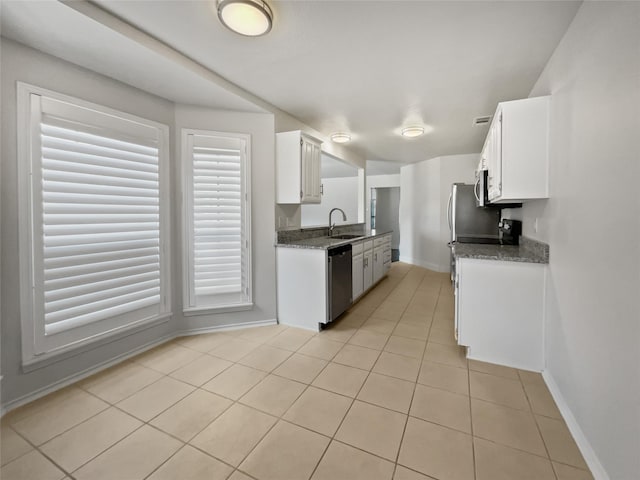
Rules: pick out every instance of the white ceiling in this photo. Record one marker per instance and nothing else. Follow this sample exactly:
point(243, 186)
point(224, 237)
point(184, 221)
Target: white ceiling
point(375, 167)
point(331, 167)
point(367, 67)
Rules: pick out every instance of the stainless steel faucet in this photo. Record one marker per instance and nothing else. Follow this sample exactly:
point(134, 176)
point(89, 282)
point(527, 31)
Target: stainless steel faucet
point(331, 227)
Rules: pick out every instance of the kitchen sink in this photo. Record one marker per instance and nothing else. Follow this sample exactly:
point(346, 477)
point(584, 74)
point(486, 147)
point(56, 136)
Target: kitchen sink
point(346, 237)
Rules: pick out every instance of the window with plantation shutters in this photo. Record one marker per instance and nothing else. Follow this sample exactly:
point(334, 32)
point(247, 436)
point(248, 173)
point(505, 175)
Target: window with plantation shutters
point(217, 233)
point(96, 224)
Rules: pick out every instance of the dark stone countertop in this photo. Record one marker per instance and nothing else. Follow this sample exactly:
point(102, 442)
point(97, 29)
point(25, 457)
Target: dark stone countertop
point(324, 243)
point(525, 252)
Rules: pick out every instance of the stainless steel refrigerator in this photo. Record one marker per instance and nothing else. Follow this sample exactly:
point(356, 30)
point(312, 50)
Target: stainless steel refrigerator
point(468, 222)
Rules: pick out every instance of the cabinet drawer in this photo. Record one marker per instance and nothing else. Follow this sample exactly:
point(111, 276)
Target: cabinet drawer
point(378, 241)
point(368, 244)
point(387, 239)
point(356, 248)
point(387, 256)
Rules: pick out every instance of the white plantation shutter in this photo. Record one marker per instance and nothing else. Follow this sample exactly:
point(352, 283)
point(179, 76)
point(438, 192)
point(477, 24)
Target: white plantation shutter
point(97, 227)
point(217, 214)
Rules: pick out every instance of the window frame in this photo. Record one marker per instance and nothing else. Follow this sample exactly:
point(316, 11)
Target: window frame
point(35, 352)
point(187, 223)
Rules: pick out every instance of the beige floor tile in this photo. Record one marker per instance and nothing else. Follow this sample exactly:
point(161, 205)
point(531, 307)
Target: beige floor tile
point(493, 369)
point(565, 472)
point(408, 330)
point(541, 400)
point(387, 392)
point(403, 473)
point(238, 475)
point(390, 310)
point(291, 339)
point(319, 410)
point(364, 338)
point(379, 325)
point(235, 381)
point(344, 462)
point(442, 335)
point(234, 433)
point(286, 452)
point(167, 357)
point(265, 358)
point(31, 466)
point(191, 464)
point(358, 357)
point(191, 414)
point(133, 458)
point(273, 395)
point(498, 390)
point(447, 354)
point(437, 451)
point(444, 408)
point(55, 414)
point(338, 332)
point(496, 462)
point(12, 445)
point(443, 376)
point(374, 429)
point(561, 445)
point(77, 446)
point(506, 426)
point(399, 366)
point(405, 346)
point(412, 317)
point(354, 318)
point(321, 348)
point(527, 377)
point(341, 379)
point(234, 349)
point(201, 370)
point(301, 368)
point(204, 342)
point(119, 382)
point(261, 334)
point(154, 399)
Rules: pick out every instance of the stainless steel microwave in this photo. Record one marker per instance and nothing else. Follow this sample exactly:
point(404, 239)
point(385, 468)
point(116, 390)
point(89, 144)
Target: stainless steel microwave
point(481, 191)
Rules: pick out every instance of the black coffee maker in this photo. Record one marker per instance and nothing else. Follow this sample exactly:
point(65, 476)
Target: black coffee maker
point(510, 231)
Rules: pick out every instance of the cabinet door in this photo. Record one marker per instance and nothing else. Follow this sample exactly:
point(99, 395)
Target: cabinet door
point(378, 263)
point(310, 171)
point(494, 187)
point(357, 276)
point(367, 270)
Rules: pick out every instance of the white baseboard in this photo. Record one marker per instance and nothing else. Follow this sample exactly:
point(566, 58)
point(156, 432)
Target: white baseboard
point(597, 470)
point(41, 392)
point(421, 263)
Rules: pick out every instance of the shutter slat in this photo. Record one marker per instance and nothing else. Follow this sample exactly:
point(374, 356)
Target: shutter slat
point(55, 161)
point(98, 179)
point(83, 279)
point(100, 247)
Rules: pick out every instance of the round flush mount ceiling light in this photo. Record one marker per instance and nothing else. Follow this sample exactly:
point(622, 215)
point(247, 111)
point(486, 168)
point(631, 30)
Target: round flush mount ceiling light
point(250, 18)
point(340, 137)
point(413, 131)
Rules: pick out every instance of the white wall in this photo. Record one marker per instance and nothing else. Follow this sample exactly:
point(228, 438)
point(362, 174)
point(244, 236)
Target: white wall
point(591, 222)
point(261, 129)
point(341, 192)
point(424, 195)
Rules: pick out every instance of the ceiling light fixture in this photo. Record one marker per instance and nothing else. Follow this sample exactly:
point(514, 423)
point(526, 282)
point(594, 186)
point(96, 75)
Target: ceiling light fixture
point(250, 18)
point(413, 131)
point(340, 137)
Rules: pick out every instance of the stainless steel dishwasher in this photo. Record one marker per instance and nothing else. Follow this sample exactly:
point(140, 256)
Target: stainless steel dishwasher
point(339, 289)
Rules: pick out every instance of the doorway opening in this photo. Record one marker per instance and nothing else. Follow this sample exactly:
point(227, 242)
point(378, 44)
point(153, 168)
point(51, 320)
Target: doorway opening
point(385, 215)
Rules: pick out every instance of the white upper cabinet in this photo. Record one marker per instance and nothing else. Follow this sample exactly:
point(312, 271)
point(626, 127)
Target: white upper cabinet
point(516, 151)
point(297, 168)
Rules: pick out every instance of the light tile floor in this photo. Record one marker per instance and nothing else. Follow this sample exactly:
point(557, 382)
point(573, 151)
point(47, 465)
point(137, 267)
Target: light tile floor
point(384, 393)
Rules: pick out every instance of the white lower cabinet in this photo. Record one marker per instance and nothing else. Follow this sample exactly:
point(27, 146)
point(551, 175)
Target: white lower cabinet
point(357, 275)
point(367, 269)
point(378, 263)
point(499, 311)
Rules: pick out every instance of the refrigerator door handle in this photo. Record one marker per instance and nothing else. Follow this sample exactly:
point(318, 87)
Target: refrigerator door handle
point(449, 211)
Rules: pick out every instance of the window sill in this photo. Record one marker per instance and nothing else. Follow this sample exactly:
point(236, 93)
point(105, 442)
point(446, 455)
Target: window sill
point(240, 307)
point(46, 359)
